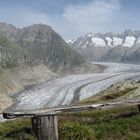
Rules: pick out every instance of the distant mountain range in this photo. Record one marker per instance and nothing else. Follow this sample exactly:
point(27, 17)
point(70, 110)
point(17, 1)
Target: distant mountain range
point(124, 47)
point(34, 45)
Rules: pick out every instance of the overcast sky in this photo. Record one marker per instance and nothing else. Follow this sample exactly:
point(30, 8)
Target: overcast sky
point(73, 18)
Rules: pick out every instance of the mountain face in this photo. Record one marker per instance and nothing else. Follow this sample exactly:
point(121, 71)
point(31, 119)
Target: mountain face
point(34, 45)
point(113, 47)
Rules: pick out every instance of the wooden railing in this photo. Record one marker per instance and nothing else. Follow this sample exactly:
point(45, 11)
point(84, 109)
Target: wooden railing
point(44, 121)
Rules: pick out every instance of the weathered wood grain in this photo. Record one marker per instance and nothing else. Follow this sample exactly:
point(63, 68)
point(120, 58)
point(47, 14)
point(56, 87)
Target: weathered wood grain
point(61, 110)
point(45, 128)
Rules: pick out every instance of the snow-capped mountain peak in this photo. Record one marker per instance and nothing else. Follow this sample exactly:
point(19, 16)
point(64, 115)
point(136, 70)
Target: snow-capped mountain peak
point(117, 41)
point(110, 47)
point(109, 41)
point(70, 41)
point(89, 35)
point(129, 41)
point(98, 42)
point(128, 38)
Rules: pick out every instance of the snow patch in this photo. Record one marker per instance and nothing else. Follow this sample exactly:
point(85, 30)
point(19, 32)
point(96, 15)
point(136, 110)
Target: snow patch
point(89, 35)
point(70, 41)
point(98, 42)
point(129, 41)
point(117, 41)
point(109, 41)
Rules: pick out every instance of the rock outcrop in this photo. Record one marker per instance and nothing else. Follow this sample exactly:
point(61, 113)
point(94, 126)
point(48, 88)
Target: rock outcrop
point(34, 45)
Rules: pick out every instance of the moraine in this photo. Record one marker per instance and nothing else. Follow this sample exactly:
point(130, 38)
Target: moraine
point(68, 89)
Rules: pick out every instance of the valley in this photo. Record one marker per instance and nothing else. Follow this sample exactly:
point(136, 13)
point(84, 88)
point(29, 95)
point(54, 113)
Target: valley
point(70, 70)
point(73, 88)
point(38, 69)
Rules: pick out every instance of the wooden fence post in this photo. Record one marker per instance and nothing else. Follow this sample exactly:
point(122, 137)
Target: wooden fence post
point(45, 127)
point(139, 108)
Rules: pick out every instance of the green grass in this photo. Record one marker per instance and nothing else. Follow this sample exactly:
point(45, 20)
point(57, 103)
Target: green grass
point(106, 113)
point(75, 131)
point(119, 129)
point(126, 128)
point(121, 123)
point(19, 129)
point(111, 94)
point(109, 124)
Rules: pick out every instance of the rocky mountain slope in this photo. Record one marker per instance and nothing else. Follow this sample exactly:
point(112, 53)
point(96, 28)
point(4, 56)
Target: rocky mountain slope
point(29, 56)
point(113, 47)
point(34, 45)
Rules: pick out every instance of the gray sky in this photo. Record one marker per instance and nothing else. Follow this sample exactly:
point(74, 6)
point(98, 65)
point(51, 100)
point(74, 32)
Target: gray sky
point(73, 18)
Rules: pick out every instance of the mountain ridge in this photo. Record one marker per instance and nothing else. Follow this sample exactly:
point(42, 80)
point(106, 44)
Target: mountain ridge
point(123, 47)
point(128, 38)
point(39, 44)
point(29, 56)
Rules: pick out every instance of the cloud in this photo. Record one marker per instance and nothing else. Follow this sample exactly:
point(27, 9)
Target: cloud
point(75, 20)
point(79, 19)
point(98, 11)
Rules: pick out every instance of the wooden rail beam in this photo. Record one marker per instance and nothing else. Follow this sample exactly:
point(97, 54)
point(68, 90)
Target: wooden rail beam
point(56, 111)
point(44, 121)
